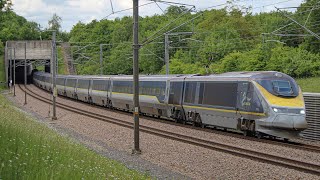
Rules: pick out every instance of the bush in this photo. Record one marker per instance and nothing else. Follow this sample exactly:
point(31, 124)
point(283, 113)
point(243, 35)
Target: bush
point(295, 62)
point(1, 48)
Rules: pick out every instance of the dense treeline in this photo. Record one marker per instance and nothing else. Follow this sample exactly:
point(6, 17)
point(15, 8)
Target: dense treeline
point(15, 27)
point(229, 39)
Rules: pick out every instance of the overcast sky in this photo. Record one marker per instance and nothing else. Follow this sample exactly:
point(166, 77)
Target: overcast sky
point(73, 11)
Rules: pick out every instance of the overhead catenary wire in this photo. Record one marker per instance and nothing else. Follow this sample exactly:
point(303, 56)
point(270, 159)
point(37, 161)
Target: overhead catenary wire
point(174, 3)
point(236, 40)
point(123, 10)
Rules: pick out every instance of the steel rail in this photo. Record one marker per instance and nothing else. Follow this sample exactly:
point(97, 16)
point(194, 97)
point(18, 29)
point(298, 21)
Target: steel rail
point(233, 150)
point(290, 144)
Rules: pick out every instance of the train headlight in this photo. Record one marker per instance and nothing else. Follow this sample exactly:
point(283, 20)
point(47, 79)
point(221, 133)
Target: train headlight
point(302, 111)
point(280, 110)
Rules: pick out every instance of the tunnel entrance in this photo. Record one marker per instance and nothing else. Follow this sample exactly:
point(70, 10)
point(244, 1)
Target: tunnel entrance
point(20, 74)
point(34, 53)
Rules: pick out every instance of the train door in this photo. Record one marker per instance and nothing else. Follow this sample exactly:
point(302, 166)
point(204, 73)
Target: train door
point(243, 97)
point(76, 88)
point(166, 99)
point(108, 87)
point(90, 90)
point(175, 98)
point(246, 122)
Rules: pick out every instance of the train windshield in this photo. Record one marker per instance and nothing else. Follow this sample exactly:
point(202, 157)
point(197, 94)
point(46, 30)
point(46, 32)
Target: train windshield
point(281, 87)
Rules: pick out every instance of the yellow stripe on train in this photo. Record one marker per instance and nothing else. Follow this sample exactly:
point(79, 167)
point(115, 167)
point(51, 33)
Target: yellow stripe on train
point(296, 102)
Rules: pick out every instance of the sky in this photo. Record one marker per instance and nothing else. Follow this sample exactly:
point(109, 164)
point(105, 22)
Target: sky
point(73, 11)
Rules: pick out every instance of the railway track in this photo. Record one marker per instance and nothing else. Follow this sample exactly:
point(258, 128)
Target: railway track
point(216, 146)
point(290, 144)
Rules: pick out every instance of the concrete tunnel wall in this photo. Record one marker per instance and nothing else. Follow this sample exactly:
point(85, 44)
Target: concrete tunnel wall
point(35, 50)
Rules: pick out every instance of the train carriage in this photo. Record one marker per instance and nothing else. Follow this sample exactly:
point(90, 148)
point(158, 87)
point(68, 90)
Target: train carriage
point(152, 97)
point(99, 92)
point(221, 101)
point(258, 103)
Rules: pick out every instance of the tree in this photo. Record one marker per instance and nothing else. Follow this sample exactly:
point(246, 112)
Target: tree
point(309, 14)
point(5, 5)
point(55, 22)
point(176, 10)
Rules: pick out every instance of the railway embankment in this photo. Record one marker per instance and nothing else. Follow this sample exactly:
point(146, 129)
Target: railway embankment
point(31, 150)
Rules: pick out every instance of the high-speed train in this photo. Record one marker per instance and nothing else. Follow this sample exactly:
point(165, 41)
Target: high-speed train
point(264, 103)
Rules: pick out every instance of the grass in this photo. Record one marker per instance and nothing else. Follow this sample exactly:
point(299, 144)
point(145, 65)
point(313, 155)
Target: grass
point(61, 65)
point(30, 150)
point(2, 72)
point(309, 84)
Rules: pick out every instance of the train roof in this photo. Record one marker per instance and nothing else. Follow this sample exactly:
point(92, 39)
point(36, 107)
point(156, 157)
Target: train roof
point(243, 75)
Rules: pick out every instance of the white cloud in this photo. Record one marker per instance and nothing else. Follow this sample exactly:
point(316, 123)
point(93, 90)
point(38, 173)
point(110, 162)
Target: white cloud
point(73, 11)
point(92, 6)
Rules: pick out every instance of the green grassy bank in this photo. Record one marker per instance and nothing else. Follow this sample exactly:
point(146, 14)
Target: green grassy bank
point(30, 150)
point(309, 84)
point(61, 65)
point(2, 72)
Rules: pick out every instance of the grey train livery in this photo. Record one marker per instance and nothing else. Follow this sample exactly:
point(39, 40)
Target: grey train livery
point(256, 103)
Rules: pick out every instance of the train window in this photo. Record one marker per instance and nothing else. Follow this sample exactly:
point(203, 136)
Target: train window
point(48, 79)
point(154, 88)
point(99, 85)
point(60, 81)
point(175, 92)
point(83, 84)
point(71, 82)
point(201, 93)
point(220, 94)
point(122, 87)
point(281, 87)
point(190, 92)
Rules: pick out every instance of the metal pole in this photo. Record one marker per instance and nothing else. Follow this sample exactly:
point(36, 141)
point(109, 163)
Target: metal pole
point(136, 47)
point(53, 80)
point(6, 63)
point(25, 72)
point(166, 52)
point(57, 63)
point(14, 71)
point(10, 70)
point(101, 56)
